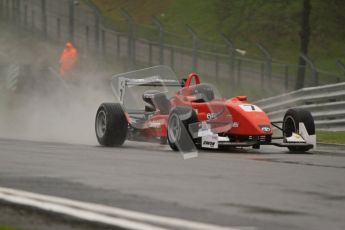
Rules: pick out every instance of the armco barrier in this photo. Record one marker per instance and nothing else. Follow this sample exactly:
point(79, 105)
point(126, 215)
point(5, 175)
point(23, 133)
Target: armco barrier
point(326, 103)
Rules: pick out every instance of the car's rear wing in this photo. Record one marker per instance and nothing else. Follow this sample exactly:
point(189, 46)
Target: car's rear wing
point(156, 76)
point(153, 81)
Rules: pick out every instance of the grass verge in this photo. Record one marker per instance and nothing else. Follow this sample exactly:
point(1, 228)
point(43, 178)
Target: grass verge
point(330, 137)
point(4, 227)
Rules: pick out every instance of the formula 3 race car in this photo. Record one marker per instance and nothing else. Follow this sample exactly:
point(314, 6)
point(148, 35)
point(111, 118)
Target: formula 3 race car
point(154, 106)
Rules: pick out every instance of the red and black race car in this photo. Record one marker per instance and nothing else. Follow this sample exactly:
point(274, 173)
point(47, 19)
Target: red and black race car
point(154, 106)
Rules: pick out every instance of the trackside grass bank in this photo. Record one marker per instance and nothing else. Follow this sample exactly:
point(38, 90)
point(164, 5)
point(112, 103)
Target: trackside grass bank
point(4, 227)
point(330, 137)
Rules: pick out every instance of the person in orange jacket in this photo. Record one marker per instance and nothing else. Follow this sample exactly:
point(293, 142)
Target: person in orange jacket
point(68, 58)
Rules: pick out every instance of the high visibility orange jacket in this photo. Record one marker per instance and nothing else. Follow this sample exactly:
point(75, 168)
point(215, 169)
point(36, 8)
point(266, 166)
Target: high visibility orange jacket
point(68, 58)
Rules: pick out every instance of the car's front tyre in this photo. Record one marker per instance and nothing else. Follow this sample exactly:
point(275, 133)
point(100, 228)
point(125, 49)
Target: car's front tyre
point(291, 122)
point(179, 137)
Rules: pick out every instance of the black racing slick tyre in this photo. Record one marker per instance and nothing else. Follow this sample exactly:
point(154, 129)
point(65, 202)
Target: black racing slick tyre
point(178, 136)
point(111, 125)
point(291, 122)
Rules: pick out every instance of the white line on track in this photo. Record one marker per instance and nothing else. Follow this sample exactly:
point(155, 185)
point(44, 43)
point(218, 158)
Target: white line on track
point(104, 214)
point(86, 215)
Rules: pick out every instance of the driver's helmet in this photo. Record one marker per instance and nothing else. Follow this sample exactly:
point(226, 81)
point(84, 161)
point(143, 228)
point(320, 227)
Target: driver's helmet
point(203, 92)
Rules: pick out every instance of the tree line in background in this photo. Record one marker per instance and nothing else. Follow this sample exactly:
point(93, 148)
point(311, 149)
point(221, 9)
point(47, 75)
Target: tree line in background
point(313, 24)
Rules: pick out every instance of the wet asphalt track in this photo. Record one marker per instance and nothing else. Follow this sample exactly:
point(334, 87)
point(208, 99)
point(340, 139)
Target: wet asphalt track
point(266, 188)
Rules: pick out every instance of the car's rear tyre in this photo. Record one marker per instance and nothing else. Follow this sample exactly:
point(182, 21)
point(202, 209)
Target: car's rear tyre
point(111, 125)
point(291, 122)
point(180, 116)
